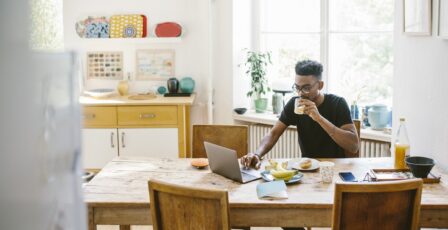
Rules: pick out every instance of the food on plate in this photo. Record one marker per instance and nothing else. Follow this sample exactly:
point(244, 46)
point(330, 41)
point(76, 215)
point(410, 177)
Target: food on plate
point(280, 173)
point(273, 164)
point(199, 162)
point(305, 163)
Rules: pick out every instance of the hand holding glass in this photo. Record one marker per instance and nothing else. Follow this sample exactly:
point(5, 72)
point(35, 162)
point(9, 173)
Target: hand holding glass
point(298, 108)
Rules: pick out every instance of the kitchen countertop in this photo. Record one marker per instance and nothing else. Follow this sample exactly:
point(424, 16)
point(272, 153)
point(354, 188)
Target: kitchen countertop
point(123, 100)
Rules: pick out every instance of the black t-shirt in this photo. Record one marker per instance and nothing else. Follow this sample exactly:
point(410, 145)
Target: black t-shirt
point(313, 140)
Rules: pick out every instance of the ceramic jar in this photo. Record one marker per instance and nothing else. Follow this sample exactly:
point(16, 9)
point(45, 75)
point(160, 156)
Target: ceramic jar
point(123, 88)
point(172, 85)
point(277, 103)
point(186, 85)
point(378, 116)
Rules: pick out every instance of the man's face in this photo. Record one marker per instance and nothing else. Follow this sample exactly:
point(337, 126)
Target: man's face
point(309, 86)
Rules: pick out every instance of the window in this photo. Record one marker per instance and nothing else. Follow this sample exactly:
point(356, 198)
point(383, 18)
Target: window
point(46, 25)
point(351, 38)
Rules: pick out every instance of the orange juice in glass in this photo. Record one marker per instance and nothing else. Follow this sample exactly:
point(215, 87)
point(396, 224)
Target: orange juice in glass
point(401, 152)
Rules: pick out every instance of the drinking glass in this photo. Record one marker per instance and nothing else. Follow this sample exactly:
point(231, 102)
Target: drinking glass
point(326, 171)
point(298, 108)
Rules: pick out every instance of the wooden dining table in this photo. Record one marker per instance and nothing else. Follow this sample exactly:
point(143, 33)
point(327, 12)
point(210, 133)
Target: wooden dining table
point(118, 194)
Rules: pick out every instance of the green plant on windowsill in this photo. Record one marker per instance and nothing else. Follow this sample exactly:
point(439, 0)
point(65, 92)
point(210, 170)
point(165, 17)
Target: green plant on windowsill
point(256, 64)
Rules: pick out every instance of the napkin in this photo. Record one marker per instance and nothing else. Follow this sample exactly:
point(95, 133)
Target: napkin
point(272, 190)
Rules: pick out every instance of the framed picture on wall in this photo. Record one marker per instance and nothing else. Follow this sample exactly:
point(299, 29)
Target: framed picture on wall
point(443, 19)
point(417, 17)
point(154, 64)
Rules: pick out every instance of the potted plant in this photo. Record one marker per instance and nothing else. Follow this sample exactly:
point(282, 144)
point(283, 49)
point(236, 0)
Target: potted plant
point(257, 63)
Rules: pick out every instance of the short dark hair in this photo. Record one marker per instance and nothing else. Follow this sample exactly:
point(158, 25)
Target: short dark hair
point(308, 67)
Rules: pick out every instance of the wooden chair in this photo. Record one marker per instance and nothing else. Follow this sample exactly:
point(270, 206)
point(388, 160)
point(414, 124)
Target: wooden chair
point(176, 207)
point(357, 124)
point(380, 205)
point(230, 136)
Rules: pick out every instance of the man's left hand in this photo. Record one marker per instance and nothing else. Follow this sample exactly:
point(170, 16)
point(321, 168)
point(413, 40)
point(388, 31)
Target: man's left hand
point(310, 109)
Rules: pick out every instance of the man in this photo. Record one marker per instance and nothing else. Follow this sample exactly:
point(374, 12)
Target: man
point(325, 128)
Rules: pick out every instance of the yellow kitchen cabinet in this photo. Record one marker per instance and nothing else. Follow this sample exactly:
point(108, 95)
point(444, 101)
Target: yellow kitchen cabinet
point(158, 127)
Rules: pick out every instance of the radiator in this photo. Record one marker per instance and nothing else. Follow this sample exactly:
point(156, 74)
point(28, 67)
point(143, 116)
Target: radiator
point(372, 148)
point(288, 145)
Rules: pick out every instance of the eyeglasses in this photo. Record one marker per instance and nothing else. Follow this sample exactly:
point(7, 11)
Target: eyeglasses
point(305, 89)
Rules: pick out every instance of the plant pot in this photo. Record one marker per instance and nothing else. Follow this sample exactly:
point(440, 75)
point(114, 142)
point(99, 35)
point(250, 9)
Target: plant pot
point(260, 105)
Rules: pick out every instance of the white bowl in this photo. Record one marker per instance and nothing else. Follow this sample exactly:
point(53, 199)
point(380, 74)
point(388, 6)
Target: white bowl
point(100, 93)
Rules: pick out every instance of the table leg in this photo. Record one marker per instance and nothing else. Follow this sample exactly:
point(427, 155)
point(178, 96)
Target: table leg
point(125, 227)
point(92, 225)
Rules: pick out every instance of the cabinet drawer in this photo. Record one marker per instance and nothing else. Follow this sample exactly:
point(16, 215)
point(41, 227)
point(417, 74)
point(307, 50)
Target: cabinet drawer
point(99, 116)
point(147, 115)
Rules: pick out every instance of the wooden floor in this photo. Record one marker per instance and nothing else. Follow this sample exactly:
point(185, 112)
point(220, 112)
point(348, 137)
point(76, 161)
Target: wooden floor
point(110, 227)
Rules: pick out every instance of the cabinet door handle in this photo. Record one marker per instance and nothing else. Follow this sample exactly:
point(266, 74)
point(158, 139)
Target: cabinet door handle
point(122, 140)
point(147, 115)
point(89, 116)
point(112, 140)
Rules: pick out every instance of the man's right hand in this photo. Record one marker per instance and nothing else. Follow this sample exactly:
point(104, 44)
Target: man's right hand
point(251, 160)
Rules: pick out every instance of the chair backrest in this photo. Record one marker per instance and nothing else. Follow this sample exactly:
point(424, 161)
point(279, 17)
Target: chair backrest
point(230, 136)
point(357, 124)
point(176, 207)
point(379, 205)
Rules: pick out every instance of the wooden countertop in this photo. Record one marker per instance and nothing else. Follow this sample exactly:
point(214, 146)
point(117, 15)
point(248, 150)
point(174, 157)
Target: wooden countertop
point(123, 100)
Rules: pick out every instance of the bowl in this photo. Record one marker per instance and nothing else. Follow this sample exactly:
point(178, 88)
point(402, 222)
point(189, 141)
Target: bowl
point(240, 110)
point(100, 93)
point(420, 166)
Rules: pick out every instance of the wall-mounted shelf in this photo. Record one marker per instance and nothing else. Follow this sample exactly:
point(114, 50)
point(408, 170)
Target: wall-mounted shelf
point(130, 40)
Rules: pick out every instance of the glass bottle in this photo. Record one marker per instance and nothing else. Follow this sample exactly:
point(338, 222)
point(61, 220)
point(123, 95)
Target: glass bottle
point(354, 111)
point(402, 146)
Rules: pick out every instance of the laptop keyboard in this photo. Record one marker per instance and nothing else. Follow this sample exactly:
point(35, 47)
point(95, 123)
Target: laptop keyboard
point(247, 177)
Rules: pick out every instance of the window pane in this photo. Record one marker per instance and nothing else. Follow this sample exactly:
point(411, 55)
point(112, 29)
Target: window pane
point(361, 67)
point(46, 25)
point(361, 15)
point(290, 16)
point(287, 50)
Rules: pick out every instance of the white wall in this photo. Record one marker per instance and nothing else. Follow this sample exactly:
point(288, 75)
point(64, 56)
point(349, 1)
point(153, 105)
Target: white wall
point(420, 89)
point(192, 53)
point(242, 39)
point(222, 32)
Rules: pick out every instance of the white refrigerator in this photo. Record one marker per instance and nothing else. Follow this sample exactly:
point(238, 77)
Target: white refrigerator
point(40, 176)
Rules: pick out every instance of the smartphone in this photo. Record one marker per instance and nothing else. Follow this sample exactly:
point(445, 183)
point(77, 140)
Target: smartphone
point(347, 176)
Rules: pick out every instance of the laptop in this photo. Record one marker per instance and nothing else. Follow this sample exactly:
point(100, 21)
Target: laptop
point(224, 161)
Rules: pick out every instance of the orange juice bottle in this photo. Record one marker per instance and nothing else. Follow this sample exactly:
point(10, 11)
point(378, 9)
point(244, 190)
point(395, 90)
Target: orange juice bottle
point(402, 146)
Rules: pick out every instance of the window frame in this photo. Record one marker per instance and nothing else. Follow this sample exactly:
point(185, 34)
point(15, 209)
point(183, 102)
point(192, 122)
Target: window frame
point(325, 34)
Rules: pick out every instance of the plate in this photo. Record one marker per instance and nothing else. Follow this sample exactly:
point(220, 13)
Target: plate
point(266, 175)
point(100, 93)
point(294, 164)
